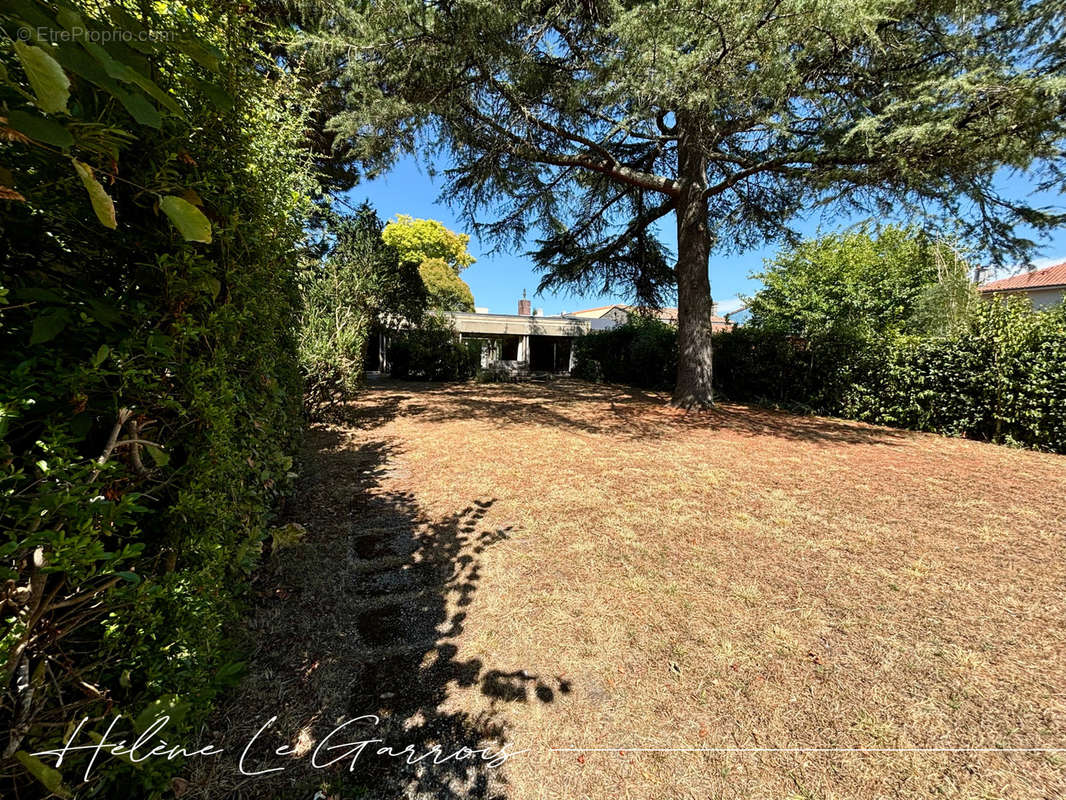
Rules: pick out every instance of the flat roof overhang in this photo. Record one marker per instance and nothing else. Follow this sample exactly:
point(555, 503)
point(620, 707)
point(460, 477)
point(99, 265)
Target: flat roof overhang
point(516, 324)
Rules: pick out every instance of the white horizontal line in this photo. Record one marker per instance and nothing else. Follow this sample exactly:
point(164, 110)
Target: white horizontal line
point(807, 749)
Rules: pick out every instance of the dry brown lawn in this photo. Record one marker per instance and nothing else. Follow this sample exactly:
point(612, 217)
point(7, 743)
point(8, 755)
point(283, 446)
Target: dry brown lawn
point(774, 606)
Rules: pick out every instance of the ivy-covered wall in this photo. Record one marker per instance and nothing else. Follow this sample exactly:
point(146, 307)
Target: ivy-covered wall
point(154, 199)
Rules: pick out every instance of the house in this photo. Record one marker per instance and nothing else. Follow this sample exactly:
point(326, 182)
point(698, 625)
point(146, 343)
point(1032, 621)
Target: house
point(1045, 288)
point(524, 341)
point(607, 317)
point(517, 343)
point(527, 341)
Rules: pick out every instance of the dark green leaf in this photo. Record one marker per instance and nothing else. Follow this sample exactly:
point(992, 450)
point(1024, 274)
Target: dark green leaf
point(158, 456)
point(37, 294)
point(156, 93)
point(199, 52)
point(104, 313)
point(212, 285)
point(30, 12)
point(160, 343)
point(79, 62)
point(70, 19)
point(49, 325)
point(114, 69)
point(50, 778)
point(216, 94)
point(127, 74)
point(140, 109)
point(126, 21)
point(40, 129)
point(122, 53)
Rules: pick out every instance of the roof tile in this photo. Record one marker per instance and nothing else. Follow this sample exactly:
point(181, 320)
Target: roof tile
point(1037, 279)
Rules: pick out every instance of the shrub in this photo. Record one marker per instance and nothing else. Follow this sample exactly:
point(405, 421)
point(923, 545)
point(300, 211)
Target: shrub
point(642, 352)
point(1001, 378)
point(433, 352)
point(356, 283)
point(496, 373)
point(149, 392)
point(862, 284)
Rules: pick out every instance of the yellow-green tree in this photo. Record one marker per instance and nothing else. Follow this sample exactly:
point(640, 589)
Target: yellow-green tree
point(444, 289)
point(441, 255)
point(419, 239)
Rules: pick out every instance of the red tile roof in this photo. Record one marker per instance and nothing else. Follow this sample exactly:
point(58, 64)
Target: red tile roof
point(1037, 279)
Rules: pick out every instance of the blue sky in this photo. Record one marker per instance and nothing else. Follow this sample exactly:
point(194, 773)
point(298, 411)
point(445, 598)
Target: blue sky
point(497, 279)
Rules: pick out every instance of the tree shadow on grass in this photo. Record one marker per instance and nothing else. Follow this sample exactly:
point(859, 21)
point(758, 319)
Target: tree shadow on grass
point(356, 636)
point(596, 409)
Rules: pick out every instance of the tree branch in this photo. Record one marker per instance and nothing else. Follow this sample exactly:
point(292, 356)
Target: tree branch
point(635, 226)
point(531, 152)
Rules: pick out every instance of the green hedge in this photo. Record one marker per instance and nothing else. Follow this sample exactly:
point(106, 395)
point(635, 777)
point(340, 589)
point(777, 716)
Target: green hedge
point(1002, 378)
point(433, 352)
point(149, 394)
point(642, 352)
point(357, 281)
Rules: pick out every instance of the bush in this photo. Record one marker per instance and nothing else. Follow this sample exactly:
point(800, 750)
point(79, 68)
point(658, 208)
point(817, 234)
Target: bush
point(770, 367)
point(1002, 378)
point(496, 373)
point(863, 283)
point(891, 330)
point(149, 392)
point(642, 352)
point(433, 352)
point(358, 280)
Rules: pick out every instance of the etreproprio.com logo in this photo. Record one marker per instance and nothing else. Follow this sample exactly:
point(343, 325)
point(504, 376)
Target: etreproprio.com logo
point(96, 35)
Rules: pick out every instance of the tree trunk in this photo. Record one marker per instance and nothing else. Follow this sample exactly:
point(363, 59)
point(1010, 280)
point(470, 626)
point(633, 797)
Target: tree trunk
point(694, 305)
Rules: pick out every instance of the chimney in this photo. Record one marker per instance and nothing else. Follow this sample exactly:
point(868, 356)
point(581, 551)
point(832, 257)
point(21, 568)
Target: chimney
point(525, 307)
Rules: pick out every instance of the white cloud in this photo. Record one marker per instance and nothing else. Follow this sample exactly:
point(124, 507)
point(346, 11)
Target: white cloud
point(1040, 263)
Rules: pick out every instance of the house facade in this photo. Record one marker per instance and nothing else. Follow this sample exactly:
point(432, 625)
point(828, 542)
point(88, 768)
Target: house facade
point(528, 342)
point(524, 341)
point(1045, 288)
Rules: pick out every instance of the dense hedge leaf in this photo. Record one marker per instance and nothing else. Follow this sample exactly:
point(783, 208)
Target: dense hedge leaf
point(1000, 378)
point(643, 352)
point(187, 218)
point(49, 82)
point(150, 399)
